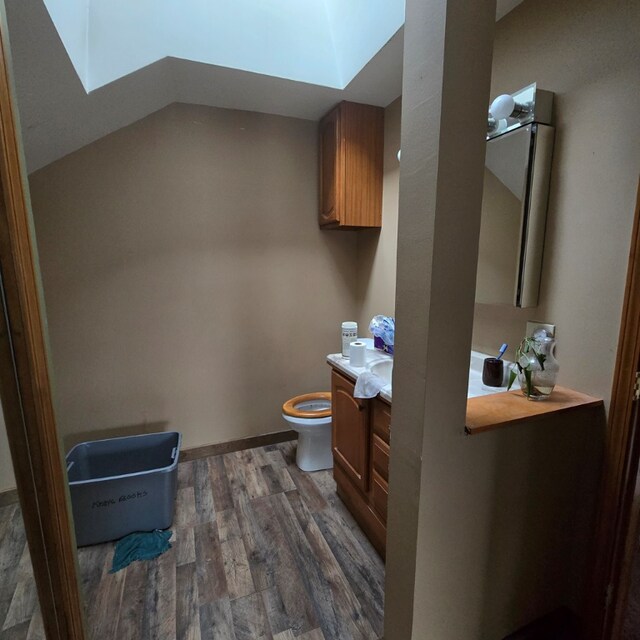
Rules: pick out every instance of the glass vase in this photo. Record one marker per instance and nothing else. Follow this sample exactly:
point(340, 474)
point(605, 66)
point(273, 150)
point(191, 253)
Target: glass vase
point(537, 379)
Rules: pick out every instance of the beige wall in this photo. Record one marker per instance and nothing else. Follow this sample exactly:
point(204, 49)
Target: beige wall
point(498, 533)
point(377, 250)
point(588, 53)
point(187, 283)
point(435, 565)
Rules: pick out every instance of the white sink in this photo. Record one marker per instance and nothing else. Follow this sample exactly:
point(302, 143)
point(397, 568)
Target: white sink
point(384, 369)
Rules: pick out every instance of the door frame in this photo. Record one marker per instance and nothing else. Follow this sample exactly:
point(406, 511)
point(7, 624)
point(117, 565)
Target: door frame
point(25, 388)
point(628, 547)
point(618, 512)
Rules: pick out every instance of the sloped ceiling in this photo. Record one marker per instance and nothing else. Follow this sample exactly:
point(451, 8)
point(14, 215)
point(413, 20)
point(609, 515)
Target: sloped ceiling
point(325, 42)
point(58, 116)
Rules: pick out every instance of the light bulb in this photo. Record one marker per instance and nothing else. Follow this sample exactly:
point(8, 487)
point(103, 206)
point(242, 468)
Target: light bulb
point(399, 152)
point(502, 107)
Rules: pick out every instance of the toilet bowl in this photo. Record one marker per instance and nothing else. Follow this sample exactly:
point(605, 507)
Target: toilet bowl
point(310, 416)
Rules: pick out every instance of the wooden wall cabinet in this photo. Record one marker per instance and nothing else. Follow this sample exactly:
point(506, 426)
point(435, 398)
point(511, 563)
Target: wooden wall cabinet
point(351, 166)
point(360, 443)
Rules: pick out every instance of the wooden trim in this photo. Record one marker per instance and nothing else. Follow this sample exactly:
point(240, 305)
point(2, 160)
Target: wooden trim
point(485, 413)
point(628, 541)
point(8, 496)
point(618, 481)
point(218, 449)
point(25, 389)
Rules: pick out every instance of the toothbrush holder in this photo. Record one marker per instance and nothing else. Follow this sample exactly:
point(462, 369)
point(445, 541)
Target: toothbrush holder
point(493, 372)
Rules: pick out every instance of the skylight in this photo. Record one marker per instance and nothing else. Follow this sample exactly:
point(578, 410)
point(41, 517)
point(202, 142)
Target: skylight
point(321, 42)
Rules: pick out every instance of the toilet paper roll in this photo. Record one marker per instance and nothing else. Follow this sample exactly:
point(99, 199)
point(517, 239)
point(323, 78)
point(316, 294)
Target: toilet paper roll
point(357, 353)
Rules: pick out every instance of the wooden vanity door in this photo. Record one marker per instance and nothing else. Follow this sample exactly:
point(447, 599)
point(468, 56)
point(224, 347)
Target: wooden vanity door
point(381, 427)
point(350, 431)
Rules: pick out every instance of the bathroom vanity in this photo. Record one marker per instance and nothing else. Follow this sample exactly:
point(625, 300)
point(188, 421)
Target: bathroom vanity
point(361, 434)
point(361, 430)
point(360, 440)
point(360, 444)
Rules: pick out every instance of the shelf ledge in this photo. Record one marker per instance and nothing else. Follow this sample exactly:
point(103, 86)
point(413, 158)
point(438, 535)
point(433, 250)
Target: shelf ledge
point(485, 413)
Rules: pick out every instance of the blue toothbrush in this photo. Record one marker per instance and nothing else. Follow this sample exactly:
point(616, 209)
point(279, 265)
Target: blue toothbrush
point(503, 348)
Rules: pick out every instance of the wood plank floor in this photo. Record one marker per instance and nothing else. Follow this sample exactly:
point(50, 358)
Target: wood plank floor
point(261, 550)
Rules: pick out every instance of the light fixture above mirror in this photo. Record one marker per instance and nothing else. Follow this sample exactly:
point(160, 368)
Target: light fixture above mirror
point(510, 111)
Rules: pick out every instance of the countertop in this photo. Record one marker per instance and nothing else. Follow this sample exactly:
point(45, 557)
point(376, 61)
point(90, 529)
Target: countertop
point(337, 361)
point(486, 414)
point(476, 388)
point(488, 408)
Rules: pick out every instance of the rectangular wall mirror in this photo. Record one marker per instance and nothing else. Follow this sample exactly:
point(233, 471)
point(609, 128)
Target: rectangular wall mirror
point(514, 211)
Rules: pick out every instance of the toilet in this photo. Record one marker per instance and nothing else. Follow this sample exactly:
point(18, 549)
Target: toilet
point(310, 416)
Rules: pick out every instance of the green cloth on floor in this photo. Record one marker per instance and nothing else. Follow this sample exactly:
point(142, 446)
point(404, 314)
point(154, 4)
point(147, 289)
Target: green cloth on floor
point(140, 546)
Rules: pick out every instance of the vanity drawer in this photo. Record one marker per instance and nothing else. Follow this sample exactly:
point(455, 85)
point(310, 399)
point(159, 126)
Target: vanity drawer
point(380, 457)
point(379, 495)
point(381, 419)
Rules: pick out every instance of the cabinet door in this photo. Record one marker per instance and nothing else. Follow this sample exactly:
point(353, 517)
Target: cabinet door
point(380, 457)
point(381, 419)
point(329, 163)
point(381, 426)
point(379, 495)
point(362, 133)
point(350, 435)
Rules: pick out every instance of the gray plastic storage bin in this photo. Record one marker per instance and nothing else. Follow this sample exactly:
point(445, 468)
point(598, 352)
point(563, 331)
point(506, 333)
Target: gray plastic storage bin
point(122, 485)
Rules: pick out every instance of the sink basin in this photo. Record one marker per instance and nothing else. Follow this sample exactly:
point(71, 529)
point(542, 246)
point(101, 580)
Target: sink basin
point(384, 369)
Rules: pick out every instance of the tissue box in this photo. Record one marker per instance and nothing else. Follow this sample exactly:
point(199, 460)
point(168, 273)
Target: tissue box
point(379, 343)
point(383, 330)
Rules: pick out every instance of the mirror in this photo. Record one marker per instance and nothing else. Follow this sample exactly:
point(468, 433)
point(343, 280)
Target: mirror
point(514, 211)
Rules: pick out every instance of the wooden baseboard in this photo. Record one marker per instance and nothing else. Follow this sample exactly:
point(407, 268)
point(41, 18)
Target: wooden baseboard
point(8, 496)
point(218, 449)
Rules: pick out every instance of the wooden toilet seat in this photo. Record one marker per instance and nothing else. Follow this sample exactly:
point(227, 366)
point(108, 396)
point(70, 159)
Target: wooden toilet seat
point(289, 407)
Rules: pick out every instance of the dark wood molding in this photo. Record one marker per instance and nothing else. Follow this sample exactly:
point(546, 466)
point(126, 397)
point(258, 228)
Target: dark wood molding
point(25, 388)
point(204, 451)
point(8, 496)
point(626, 548)
point(620, 464)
